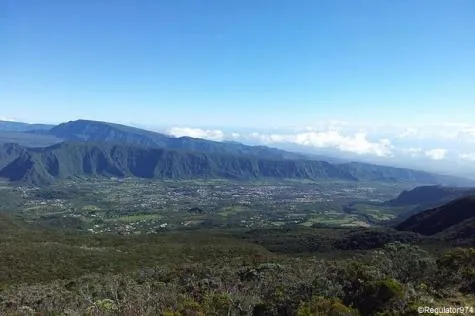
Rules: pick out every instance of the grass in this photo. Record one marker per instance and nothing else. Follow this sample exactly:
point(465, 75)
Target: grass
point(356, 224)
point(89, 208)
point(380, 212)
point(334, 219)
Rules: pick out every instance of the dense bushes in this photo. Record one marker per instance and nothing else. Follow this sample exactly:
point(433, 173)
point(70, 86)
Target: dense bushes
point(203, 273)
point(380, 283)
point(299, 239)
point(457, 270)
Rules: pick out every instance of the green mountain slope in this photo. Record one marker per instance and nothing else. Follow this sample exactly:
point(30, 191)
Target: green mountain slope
point(442, 218)
point(65, 160)
point(429, 195)
point(464, 231)
point(8, 153)
point(423, 198)
point(74, 159)
point(28, 139)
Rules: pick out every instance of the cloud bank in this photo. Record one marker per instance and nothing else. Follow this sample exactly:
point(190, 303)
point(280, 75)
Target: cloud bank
point(436, 154)
point(357, 143)
point(442, 145)
point(216, 135)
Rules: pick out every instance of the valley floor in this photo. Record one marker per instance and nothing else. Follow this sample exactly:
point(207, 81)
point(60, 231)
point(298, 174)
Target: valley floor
point(134, 206)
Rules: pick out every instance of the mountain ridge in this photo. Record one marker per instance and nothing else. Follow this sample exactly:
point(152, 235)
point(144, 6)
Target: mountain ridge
point(428, 195)
point(441, 219)
point(98, 131)
point(74, 159)
point(12, 126)
point(91, 155)
point(70, 159)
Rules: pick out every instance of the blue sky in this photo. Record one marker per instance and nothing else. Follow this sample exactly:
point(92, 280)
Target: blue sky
point(389, 80)
point(238, 63)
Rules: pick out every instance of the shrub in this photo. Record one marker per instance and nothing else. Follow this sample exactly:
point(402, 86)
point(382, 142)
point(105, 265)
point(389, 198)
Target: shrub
point(378, 296)
point(457, 269)
point(405, 262)
point(324, 307)
point(217, 304)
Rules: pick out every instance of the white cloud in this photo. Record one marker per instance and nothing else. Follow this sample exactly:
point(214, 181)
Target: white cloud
point(445, 132)
point(216, 135)
point(434, 144)
point(470, 157)
point(436, 154)
point(357, 143)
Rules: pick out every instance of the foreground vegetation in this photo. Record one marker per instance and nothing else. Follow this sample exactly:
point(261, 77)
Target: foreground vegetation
point(222, 272)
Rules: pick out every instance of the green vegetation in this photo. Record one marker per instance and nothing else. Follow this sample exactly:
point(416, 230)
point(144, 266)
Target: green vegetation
point(429, 195)
point(216, 272)
point(144, 247)
point(439, 219)
point(28, 139)
point(67, 160)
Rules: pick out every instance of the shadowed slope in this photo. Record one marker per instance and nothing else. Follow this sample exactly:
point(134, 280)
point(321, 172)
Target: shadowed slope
point(439, 219)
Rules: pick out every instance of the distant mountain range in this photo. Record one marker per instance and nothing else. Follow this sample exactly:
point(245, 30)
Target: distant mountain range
point(91, 148)
point(373, 172)
point(94, 131)
point(75, 159)
point(9, 126)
